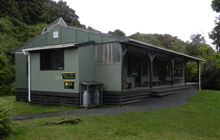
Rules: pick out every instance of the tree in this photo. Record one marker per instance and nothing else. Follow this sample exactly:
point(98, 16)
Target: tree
point(12, 34)
point(10, 8)
point(117, 32)
point(21, 20)
point(31, 10)
point(53, 10)
point(35, 11)
point(216, 5)
point(166, 41)
point(5, 121)
point(197, 40)
point(92, 29)
point(215, 34)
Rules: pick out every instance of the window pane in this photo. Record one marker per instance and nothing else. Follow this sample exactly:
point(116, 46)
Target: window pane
point(52, 59)
point(108, 53)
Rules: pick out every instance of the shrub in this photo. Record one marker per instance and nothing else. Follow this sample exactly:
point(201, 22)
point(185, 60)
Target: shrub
point(5, 121)
point(7, 89)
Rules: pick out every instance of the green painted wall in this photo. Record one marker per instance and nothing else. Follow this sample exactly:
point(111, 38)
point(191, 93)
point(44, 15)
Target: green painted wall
point(21, 71)
point(109, 75)
point(87, 63)
point(67, 35)
point(51, 80)
point(50, 39)
point(81, 61)
point(82, 58)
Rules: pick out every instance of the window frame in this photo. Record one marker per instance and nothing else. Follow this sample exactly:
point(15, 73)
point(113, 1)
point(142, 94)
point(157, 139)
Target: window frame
point(44, 53)
point(104, 53)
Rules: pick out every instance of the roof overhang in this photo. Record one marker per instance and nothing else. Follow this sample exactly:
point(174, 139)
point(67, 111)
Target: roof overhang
point(59, 46)
point(156, 48)
point(49, 47)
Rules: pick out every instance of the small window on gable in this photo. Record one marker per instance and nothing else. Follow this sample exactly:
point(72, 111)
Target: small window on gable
point(52, 59)
point(108, 53)
point(55, 34)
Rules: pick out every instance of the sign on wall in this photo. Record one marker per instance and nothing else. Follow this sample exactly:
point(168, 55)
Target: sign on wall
point(68, 75)
point(68, 84)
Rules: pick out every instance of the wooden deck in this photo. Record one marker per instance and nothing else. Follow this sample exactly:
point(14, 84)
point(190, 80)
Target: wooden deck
point(125, 97)
point(164, 91)
point(138, 94)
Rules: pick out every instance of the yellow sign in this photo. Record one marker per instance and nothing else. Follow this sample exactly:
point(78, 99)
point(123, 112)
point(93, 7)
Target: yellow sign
point(68, 84)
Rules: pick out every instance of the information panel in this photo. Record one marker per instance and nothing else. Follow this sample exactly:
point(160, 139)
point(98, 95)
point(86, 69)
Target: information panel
point(68, 75)
point(68, 84)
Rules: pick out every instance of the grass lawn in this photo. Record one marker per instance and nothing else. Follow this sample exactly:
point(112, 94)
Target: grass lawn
point(199, 119)
point(22, 108)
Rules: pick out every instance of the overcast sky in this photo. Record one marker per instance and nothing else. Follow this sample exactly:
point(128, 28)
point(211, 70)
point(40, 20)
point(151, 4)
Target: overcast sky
point(180, 18)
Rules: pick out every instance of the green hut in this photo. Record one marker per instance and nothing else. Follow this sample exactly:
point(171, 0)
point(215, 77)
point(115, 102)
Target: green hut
point(53, 67)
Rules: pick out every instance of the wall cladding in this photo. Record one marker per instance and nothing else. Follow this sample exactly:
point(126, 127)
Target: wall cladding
point(55, 98)
point(126, 97)
point(51, 80)
point(21, 95)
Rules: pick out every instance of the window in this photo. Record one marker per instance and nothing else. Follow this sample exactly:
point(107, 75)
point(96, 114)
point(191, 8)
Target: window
point(52, 59)
point(108, 53)
point(55, 34)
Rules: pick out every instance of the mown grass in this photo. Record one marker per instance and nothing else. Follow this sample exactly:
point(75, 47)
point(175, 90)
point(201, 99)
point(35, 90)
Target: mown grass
point(199, 119)
point(23, 108)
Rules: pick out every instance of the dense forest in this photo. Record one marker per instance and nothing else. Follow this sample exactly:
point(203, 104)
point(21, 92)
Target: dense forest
point(21, 20)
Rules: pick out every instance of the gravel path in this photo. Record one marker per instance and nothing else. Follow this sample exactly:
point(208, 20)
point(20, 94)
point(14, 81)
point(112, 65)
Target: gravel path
point(148, 104)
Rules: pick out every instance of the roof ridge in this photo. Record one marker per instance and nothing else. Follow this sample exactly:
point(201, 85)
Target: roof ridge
point(58, 21)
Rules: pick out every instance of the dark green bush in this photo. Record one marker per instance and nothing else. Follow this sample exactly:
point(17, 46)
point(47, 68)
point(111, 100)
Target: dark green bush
point(7, 89)
point(5, 121)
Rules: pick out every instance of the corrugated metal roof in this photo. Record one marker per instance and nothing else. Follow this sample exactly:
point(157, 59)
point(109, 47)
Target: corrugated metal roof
point(60, 22)
point(147, 45)
point(28, 44)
